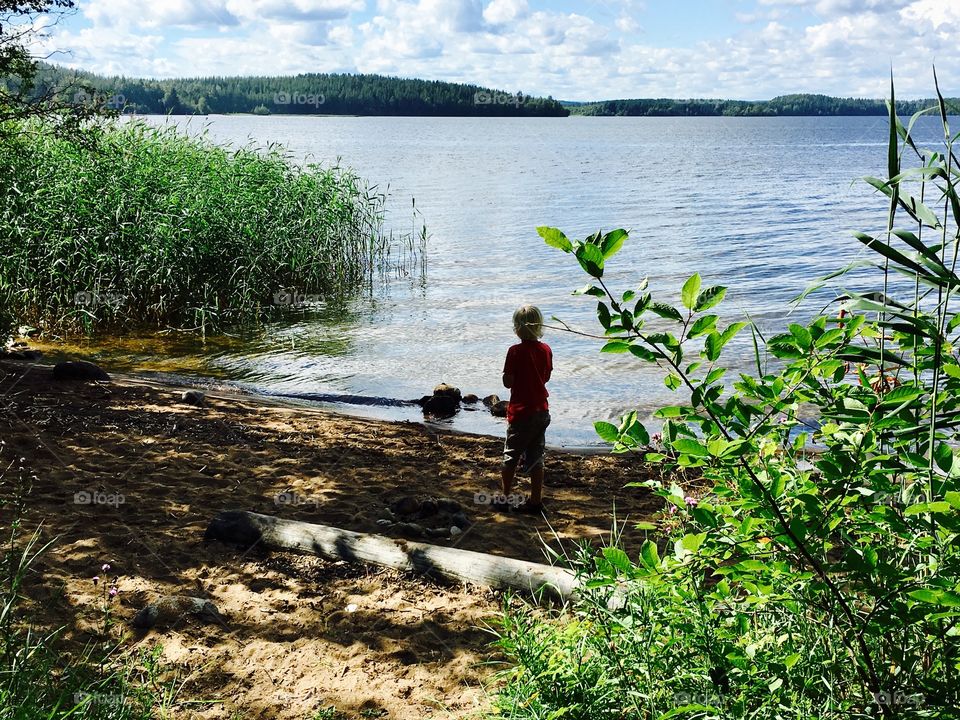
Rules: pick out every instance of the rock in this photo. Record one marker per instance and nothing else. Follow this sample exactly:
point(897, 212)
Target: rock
point(168, 611)
point(491, 400)
point(407, 505)
point(383, 522)
point(21, 355)
point(428, 507)
point(444, 390)
point(499, 409)
point(79, 370)
point(193, 397)
point(442, 406)
point(454, 531)
point(437, 532)
point(460, 520)
point(410, 529)
point(469, 398)
point(448, 505)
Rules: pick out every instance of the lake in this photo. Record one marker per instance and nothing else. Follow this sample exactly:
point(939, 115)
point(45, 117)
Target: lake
point(761, 205)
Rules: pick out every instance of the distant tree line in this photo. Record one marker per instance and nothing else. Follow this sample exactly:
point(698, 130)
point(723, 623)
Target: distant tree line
point(800, 104)
point(307, 94)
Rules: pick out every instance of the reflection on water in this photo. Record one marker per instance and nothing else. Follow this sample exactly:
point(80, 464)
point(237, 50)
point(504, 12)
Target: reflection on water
point(762, 205)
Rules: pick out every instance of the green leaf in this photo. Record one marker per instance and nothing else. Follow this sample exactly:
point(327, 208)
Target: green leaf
point(589, 289)
point(643, 353)
point(713, 346)
point(554, 238)
point(693, 541)
point(603, 314)
point(688, 446)
point(649, 554)
point(591, 259)
point(802, 335)
point(830, 337)
point(615, 346)
point(703, 325)
point(943, 456)
point(612, 242)
point(666, 311)
point(711, 297)
point(672, 381)
point(618, 558)
point(607, 431)
point(690, 292)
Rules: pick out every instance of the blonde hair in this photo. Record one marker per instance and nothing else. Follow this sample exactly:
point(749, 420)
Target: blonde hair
point(528, 322)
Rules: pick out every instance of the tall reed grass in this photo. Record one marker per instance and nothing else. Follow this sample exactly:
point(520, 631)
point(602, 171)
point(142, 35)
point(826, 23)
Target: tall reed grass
point(146, 226)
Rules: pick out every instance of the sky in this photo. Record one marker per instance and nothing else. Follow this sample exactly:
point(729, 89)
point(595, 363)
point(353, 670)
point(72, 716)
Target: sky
point(591, 50)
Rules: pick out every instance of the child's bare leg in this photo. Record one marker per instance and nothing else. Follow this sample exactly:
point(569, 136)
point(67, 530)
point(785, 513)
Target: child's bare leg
point(536, 485)
point(506, 478)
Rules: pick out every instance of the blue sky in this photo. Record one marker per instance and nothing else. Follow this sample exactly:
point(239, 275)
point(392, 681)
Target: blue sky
point(596, 49)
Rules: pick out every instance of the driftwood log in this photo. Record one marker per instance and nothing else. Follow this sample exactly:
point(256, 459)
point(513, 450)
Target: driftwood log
point(247, 529)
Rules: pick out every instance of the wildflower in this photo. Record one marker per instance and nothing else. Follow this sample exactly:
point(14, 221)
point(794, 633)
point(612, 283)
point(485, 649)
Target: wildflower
point(690, 500)
point(105, 567)
point(113, 591)
point(96, 579)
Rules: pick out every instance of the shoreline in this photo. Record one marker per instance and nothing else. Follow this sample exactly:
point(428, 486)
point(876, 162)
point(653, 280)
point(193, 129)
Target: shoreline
point(124, 473)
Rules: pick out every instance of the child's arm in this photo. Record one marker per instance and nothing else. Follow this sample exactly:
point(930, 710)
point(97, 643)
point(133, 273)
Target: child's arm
point(508, 370)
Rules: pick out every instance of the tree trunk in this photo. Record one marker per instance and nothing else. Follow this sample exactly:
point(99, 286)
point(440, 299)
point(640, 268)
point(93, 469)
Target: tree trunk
point(247, 529)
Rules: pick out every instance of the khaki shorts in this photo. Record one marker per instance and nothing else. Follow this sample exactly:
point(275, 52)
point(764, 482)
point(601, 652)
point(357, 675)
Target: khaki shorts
point(526, 439)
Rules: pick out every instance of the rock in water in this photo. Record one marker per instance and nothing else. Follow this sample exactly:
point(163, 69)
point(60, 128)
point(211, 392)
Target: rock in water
point(469, 398)
point(168, 611)
point(194, 397)
point(442, 406)
point(499, 409)
point(444, 390)
point(491, 400)
point(79, 370)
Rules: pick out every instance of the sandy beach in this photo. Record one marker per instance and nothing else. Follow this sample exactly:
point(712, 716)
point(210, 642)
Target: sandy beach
point(125, 473)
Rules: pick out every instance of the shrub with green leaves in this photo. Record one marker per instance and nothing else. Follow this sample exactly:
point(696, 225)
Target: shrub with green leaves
point(814, 571)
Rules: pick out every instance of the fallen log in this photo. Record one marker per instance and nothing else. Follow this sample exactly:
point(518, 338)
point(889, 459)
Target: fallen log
point(247, 529)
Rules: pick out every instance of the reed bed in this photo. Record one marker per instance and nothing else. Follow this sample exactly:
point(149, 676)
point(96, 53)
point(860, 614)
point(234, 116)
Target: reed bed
point(147, 227)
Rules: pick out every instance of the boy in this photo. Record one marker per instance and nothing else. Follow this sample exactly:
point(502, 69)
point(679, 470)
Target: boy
point(526, 372)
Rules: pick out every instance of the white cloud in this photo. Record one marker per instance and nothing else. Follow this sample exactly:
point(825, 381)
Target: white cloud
point(499, 12)
point(159, 13)
point(838, 47)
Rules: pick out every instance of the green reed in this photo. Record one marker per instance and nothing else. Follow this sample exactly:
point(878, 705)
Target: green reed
point(147, 227)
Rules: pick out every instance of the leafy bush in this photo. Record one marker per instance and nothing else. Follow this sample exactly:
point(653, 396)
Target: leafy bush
point(814, 570)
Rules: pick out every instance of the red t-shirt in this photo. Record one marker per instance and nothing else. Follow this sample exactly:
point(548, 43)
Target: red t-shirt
point(530, 362)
